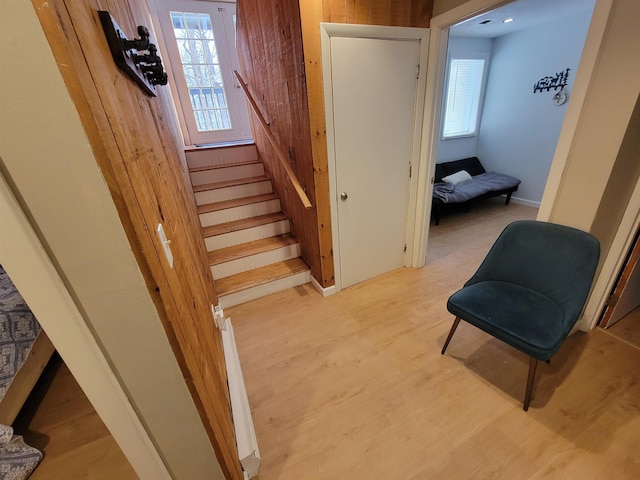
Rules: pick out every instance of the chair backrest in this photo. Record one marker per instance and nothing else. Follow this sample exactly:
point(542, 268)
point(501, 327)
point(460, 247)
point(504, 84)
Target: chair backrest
point(556, 261)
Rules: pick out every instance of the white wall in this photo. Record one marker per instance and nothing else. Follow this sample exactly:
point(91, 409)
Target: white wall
point(457, 148)
point(519, 130)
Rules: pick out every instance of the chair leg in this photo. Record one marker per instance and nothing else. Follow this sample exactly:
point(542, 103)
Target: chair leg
point(533, 364)
point(451, 332)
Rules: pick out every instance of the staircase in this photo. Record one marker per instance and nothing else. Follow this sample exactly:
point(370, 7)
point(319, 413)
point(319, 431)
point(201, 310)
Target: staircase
point(250, 248)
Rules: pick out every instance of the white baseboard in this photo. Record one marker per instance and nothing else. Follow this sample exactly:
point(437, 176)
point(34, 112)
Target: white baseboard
point(246, 440)
point(528, 203)
point(325, 292)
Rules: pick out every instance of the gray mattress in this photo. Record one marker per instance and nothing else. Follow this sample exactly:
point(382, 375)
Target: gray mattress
point(478, 185)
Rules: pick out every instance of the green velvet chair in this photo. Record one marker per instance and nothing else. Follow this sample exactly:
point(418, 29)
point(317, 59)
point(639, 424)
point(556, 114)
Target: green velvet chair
point(530, 289)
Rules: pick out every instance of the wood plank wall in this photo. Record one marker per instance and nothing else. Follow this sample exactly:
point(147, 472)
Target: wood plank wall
point(136, 141)
point(272, 65)
point(281, 59)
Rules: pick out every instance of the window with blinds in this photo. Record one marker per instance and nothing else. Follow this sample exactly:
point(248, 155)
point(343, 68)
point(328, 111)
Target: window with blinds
point(464, 87)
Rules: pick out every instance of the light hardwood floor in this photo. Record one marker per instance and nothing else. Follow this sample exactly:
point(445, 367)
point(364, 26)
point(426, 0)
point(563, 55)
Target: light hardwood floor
point(353, 386)
point(628, 328)
point(60, 421)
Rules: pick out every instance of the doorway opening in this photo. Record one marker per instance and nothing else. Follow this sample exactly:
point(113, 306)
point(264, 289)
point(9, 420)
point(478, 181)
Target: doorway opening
point(518, 127)
point(621, 313)
point(198, 40)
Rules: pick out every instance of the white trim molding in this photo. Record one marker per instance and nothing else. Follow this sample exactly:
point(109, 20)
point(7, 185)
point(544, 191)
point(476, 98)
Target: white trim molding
point(328, 30)
point(25, 260)
point(325, 292)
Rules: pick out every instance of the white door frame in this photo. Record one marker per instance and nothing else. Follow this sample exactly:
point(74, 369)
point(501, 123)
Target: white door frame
point(435, 74)
point(30, 268)
point(235, 97)
point(328, 30)
point(613, 263)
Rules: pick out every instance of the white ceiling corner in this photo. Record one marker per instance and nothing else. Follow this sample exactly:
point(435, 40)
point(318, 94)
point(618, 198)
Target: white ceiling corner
point(526, 14)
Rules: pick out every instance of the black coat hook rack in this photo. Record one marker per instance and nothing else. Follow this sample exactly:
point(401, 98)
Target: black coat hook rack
point(138, 58)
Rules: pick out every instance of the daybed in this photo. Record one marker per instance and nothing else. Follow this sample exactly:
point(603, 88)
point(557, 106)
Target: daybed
point(24, 352)
point(461, 182)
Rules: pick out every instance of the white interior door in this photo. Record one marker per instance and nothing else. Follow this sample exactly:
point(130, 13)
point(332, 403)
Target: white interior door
point(374, 92)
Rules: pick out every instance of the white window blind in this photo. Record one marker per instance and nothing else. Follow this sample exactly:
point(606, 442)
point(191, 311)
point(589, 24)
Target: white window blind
point(463, 97)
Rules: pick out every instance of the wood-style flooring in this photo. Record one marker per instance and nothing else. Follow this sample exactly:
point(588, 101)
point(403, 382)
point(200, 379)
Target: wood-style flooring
point(627, 329)
point(59, 421)
point(353, 386)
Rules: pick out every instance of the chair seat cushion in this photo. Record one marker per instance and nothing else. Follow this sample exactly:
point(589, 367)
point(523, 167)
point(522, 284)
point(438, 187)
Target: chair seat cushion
point(520, 317)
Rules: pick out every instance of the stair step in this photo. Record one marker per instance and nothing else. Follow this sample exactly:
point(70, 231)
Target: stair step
point(248, 256)
point(235, 252)
point(236, 209)
point(240, 189)
point(205, 168)
point(260, 276)
point(202, 157)
point(223, 173)
point(236, 202)
point(245, 230)
point(242, 224)
point(229, 183)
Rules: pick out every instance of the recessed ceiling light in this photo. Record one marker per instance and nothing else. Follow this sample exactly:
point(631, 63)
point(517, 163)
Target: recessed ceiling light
point(484, 22)
point(507, 20)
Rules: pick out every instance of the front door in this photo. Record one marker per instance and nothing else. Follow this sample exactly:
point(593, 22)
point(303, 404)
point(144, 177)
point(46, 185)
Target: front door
point(374, 91)
point(200, 39)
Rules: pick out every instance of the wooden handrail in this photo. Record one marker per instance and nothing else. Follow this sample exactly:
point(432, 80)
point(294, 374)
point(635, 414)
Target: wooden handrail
point(284, 161)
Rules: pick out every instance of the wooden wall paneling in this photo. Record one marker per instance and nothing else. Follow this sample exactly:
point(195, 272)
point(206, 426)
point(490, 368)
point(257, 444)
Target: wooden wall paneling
point(303, 154)
point(358, 11)
point(421, 13)
point(400, 13)
point(380, 12)
point(295, 104)
point(293, 98)
point(334, 11)
point(311, 14)
point(170, 201)
point(138, 150)
point(270, 49)
point(265, 82)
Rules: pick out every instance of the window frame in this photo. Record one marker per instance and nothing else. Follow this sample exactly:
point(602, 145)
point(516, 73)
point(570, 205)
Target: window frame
point(485, 72)
point(222, 19)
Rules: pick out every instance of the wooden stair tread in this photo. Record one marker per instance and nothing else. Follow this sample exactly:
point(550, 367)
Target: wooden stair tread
point(259, 276)
point(219, 146)
point(223, 165)
point(236, 202)
point(254, 247)
point(235, 225)
point(229, 183)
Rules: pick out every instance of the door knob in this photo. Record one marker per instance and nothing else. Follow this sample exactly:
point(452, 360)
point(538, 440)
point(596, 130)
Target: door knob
point(344, 195)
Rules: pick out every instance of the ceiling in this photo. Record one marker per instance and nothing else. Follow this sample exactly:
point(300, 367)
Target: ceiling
point(525, 14)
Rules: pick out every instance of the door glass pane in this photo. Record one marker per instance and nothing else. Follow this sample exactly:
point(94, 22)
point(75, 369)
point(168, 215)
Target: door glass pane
point(199, 57)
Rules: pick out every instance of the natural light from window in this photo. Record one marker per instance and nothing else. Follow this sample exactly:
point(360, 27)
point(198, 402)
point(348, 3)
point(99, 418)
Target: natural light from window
point(463, 97)
point(197, 47)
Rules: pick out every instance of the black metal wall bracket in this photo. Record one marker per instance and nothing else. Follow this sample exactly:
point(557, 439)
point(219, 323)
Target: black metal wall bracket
point(138, 58)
